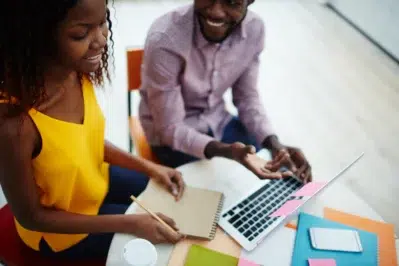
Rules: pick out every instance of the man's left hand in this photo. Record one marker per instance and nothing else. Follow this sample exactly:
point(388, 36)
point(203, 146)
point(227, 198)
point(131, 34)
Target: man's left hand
point(294, 159)
point(170, 178)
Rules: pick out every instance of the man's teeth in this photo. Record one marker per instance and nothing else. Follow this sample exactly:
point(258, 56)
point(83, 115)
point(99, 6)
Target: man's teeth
point(215, 24)
point(94, 57)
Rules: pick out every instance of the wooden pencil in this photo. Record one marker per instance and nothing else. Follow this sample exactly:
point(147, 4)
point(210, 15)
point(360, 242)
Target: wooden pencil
point(152, 214)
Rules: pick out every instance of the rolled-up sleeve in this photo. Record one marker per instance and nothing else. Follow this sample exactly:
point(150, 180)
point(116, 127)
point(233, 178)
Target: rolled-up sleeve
point(246, 96)
point(162, 69)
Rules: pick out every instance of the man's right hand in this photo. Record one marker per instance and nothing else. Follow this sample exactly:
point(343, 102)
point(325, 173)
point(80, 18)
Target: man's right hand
point(147, 227)
point(246, 155)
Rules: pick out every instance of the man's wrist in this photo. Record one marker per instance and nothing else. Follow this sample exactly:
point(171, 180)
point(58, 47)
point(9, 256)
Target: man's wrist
point(217, 149)
point(272, 143)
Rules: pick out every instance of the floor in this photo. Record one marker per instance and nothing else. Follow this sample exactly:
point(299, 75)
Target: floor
point(326, 88)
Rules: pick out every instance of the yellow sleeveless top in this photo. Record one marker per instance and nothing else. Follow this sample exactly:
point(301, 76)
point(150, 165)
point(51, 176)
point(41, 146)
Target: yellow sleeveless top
point(70, 170)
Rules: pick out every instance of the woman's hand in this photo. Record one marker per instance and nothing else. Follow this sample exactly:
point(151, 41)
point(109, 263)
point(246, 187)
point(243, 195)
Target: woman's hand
point(147, 227)
point(170, 178)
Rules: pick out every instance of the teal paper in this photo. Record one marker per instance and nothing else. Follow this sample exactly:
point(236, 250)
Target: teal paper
point(303, 249)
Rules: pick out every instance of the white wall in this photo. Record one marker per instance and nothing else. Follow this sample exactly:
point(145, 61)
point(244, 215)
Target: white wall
point(379, 19)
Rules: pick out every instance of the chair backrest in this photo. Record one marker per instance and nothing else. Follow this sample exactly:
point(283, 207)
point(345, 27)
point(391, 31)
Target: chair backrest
point(134, 60)
point(140, 141)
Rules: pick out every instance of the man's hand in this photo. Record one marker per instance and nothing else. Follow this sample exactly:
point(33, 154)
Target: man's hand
point(290, 157)
point(170, 178)
point(294, 159)
point(246, 155)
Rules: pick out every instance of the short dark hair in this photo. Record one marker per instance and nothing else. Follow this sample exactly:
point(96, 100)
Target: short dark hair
point(28, 37)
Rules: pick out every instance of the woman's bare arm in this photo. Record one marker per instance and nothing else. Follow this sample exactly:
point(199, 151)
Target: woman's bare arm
point(17, 142)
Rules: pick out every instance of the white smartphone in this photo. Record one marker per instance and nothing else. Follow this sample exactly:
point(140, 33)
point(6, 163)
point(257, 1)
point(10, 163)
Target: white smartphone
point(335, 239)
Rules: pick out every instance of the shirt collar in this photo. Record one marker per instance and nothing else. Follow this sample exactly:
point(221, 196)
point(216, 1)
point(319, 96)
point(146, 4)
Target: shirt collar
point(243, 27)
point(200, 41)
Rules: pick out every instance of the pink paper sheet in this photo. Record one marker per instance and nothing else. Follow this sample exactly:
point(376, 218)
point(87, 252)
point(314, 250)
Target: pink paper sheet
point(322, 262)
point(244, 262)
point(310, 189)
point(287, 208)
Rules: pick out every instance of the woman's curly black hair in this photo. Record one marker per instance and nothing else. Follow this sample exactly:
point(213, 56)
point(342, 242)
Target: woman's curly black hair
point(27, 38)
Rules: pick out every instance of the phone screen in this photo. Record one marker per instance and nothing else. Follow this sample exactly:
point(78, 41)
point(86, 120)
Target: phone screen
point(335, 239)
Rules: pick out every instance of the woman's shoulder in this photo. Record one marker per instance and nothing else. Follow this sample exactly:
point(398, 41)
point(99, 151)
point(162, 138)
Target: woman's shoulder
point(15, 130)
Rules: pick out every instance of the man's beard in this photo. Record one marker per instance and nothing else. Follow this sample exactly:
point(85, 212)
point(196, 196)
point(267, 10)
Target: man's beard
point(231, 28)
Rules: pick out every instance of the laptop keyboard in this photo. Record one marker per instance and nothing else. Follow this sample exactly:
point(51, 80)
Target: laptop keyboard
point(251, 216)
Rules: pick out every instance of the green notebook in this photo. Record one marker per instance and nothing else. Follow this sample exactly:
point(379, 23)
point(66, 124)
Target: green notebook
point(201, 256)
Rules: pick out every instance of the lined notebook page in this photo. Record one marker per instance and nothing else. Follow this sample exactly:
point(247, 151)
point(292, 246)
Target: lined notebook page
point(196, 213)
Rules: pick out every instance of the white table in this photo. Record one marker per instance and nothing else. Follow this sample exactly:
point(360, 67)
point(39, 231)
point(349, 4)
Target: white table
point(234, 180)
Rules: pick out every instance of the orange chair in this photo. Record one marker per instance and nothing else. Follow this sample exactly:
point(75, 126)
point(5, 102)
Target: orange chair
point(137, 136)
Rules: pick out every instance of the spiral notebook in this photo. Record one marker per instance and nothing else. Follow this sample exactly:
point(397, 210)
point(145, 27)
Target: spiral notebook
point(196, 214)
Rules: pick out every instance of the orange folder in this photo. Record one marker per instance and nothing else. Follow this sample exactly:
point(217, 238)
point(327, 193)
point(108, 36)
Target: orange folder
point(384, 231)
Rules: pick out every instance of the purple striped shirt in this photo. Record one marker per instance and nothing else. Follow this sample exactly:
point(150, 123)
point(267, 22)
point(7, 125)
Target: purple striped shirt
point(184, 78)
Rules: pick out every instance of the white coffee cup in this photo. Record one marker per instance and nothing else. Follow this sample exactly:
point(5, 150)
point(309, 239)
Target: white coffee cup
point(139, 252)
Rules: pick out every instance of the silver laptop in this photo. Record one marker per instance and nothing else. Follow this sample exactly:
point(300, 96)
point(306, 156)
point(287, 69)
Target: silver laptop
point(248, 220)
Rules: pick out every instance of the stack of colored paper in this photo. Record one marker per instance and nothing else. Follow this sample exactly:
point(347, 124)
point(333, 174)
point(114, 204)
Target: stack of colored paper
point(303, 250)
point(385, 232)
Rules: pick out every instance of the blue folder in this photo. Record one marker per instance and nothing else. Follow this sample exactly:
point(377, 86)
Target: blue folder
point(303, 249)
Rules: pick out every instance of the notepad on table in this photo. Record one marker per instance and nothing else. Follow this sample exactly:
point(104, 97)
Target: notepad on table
point(201, 256)
point(196, 214)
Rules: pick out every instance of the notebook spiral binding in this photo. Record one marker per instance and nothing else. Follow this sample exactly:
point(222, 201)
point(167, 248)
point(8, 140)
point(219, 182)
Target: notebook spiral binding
point(217, 217)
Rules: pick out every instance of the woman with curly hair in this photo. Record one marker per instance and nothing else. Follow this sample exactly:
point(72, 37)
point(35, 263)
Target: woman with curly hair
point(67, 187)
